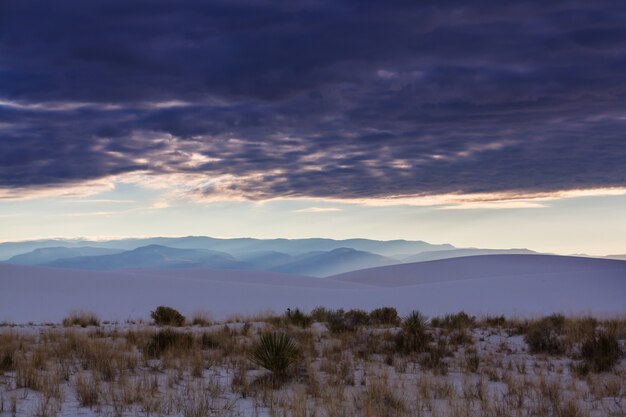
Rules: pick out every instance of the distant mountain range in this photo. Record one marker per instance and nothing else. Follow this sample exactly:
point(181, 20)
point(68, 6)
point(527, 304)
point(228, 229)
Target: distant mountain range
point(233, 246)
point(318, 263)
point(308, 257)
point(153, 256)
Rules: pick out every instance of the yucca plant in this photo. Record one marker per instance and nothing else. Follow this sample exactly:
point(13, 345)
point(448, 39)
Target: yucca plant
point(275, 352)
point(414, 322)
point(413, 336)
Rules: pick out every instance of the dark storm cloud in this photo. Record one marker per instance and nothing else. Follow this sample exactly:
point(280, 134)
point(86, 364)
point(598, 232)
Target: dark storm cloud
point(315, 98)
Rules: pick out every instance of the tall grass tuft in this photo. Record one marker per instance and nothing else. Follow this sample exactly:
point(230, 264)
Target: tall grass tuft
point(82, 319)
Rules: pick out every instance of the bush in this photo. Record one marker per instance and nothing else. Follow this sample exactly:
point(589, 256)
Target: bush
point(167, 316)
point(275, 352)
point(82, 319)
point(356, 317)
point(456, 321)
point(298, 318)
point(166, 340)
point(385, 316)
point(340, 321)
point(600, 353)
point(337, 323)
point(544, 336)
point(320, 314)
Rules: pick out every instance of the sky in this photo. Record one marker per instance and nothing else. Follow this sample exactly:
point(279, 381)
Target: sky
point(477, 123)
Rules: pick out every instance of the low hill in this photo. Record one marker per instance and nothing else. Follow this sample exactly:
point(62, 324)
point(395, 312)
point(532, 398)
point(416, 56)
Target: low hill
point(46, 255)
point(333, 262)
point(480, 267)
point(457, 253)
point(152, 256)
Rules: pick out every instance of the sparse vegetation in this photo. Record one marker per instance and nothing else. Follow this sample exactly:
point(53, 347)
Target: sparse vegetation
point(270, 365)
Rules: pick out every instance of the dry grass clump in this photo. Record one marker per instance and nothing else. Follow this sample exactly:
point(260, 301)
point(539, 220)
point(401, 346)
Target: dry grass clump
point(201, 318)
point(82, 319)
point(166, 341)
point(9, 346)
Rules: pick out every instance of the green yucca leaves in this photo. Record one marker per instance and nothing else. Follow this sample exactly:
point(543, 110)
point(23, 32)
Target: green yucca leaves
point(275, 352)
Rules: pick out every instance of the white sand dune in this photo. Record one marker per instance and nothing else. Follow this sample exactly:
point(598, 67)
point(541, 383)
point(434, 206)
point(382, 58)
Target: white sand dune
point(499, 284)
point(481, 266)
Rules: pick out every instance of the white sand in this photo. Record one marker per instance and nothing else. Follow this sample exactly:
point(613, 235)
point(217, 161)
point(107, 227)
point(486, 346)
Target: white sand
point(498, 284)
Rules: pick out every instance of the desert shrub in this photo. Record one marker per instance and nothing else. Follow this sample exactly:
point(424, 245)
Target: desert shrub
point(275, 352)
point(356, 317)
point(544, 336)
point(385, 316)
point(298, 318)
point(459, 320)
point(82, 319)
point(340, 321)
point(413, 336)
point(601, 352)
point(320, 314)
point(168, 339)
point(337, 323)
point(167, 316)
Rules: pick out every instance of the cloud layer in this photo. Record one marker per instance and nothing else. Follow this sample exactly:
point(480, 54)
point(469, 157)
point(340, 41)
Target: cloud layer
point(330, 99)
